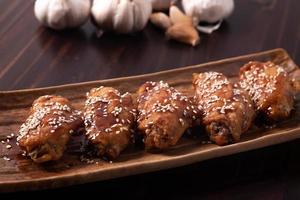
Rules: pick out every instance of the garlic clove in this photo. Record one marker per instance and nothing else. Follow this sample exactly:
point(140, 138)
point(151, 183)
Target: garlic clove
point(78, 12)
point(142, 11)
point(177, 16)
point(41, 10)
point(183, 33)
point(103, 14)
point(161, 20)
point(57, 14)
point(123, 19)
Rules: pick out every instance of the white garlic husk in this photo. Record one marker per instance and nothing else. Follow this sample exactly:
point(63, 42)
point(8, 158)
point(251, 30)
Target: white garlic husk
point(62, 14)
point(159, 5)
point(121, 16)
point(208, 10)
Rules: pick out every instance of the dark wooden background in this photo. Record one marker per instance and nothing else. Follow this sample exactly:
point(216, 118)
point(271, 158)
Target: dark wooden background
point(32, 56)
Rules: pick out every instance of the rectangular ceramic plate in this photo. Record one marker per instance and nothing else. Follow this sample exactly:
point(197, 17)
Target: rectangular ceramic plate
point(22, 174)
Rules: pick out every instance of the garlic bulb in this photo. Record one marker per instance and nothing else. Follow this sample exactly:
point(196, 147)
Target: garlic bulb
point(121, 16)
point(61, 14)
point(162, 4)
point(208, 10)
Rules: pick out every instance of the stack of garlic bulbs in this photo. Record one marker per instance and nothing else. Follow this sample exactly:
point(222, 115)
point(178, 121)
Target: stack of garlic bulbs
point(121, 16)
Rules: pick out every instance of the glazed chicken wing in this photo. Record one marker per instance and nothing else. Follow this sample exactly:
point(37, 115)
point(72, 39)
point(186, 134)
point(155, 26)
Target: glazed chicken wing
point(48, 128)
point(295, 81)
point(164, 114)
point(228, 110)
point(109, 118)
point(270, 89)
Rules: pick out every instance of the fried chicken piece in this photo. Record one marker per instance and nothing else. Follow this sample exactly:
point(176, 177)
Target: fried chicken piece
point(295, 81)
point(270, 89)
point(164, 114)
point(228, 110)
point(109, 119)
point(48, 128)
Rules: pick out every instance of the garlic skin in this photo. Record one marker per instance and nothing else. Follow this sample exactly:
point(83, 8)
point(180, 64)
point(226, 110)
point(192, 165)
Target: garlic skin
point(160, 5)
point(62, 14)
point(121, 16)
point(208, 10)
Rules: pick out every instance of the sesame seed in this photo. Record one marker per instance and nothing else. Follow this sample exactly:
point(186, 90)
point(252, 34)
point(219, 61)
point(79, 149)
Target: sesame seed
point(107, 130)
point(9, 137)
point(6, 158)
point(181, 121)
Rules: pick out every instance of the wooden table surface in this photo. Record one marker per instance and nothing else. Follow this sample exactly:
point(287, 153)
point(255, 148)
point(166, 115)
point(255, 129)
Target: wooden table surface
point(32, 56)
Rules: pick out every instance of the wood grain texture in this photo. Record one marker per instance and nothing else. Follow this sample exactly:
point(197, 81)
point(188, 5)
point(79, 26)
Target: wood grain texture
point(22, 174)
point(31, 56)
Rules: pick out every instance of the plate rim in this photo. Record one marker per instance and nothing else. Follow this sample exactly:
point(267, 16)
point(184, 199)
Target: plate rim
point(177, 161)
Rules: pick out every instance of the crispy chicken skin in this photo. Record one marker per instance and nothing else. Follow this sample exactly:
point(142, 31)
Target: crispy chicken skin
point(163, 114)
point(295, 81)
point(227, 109)
point(270, 89)
point(48, 128)
point(109, 119)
